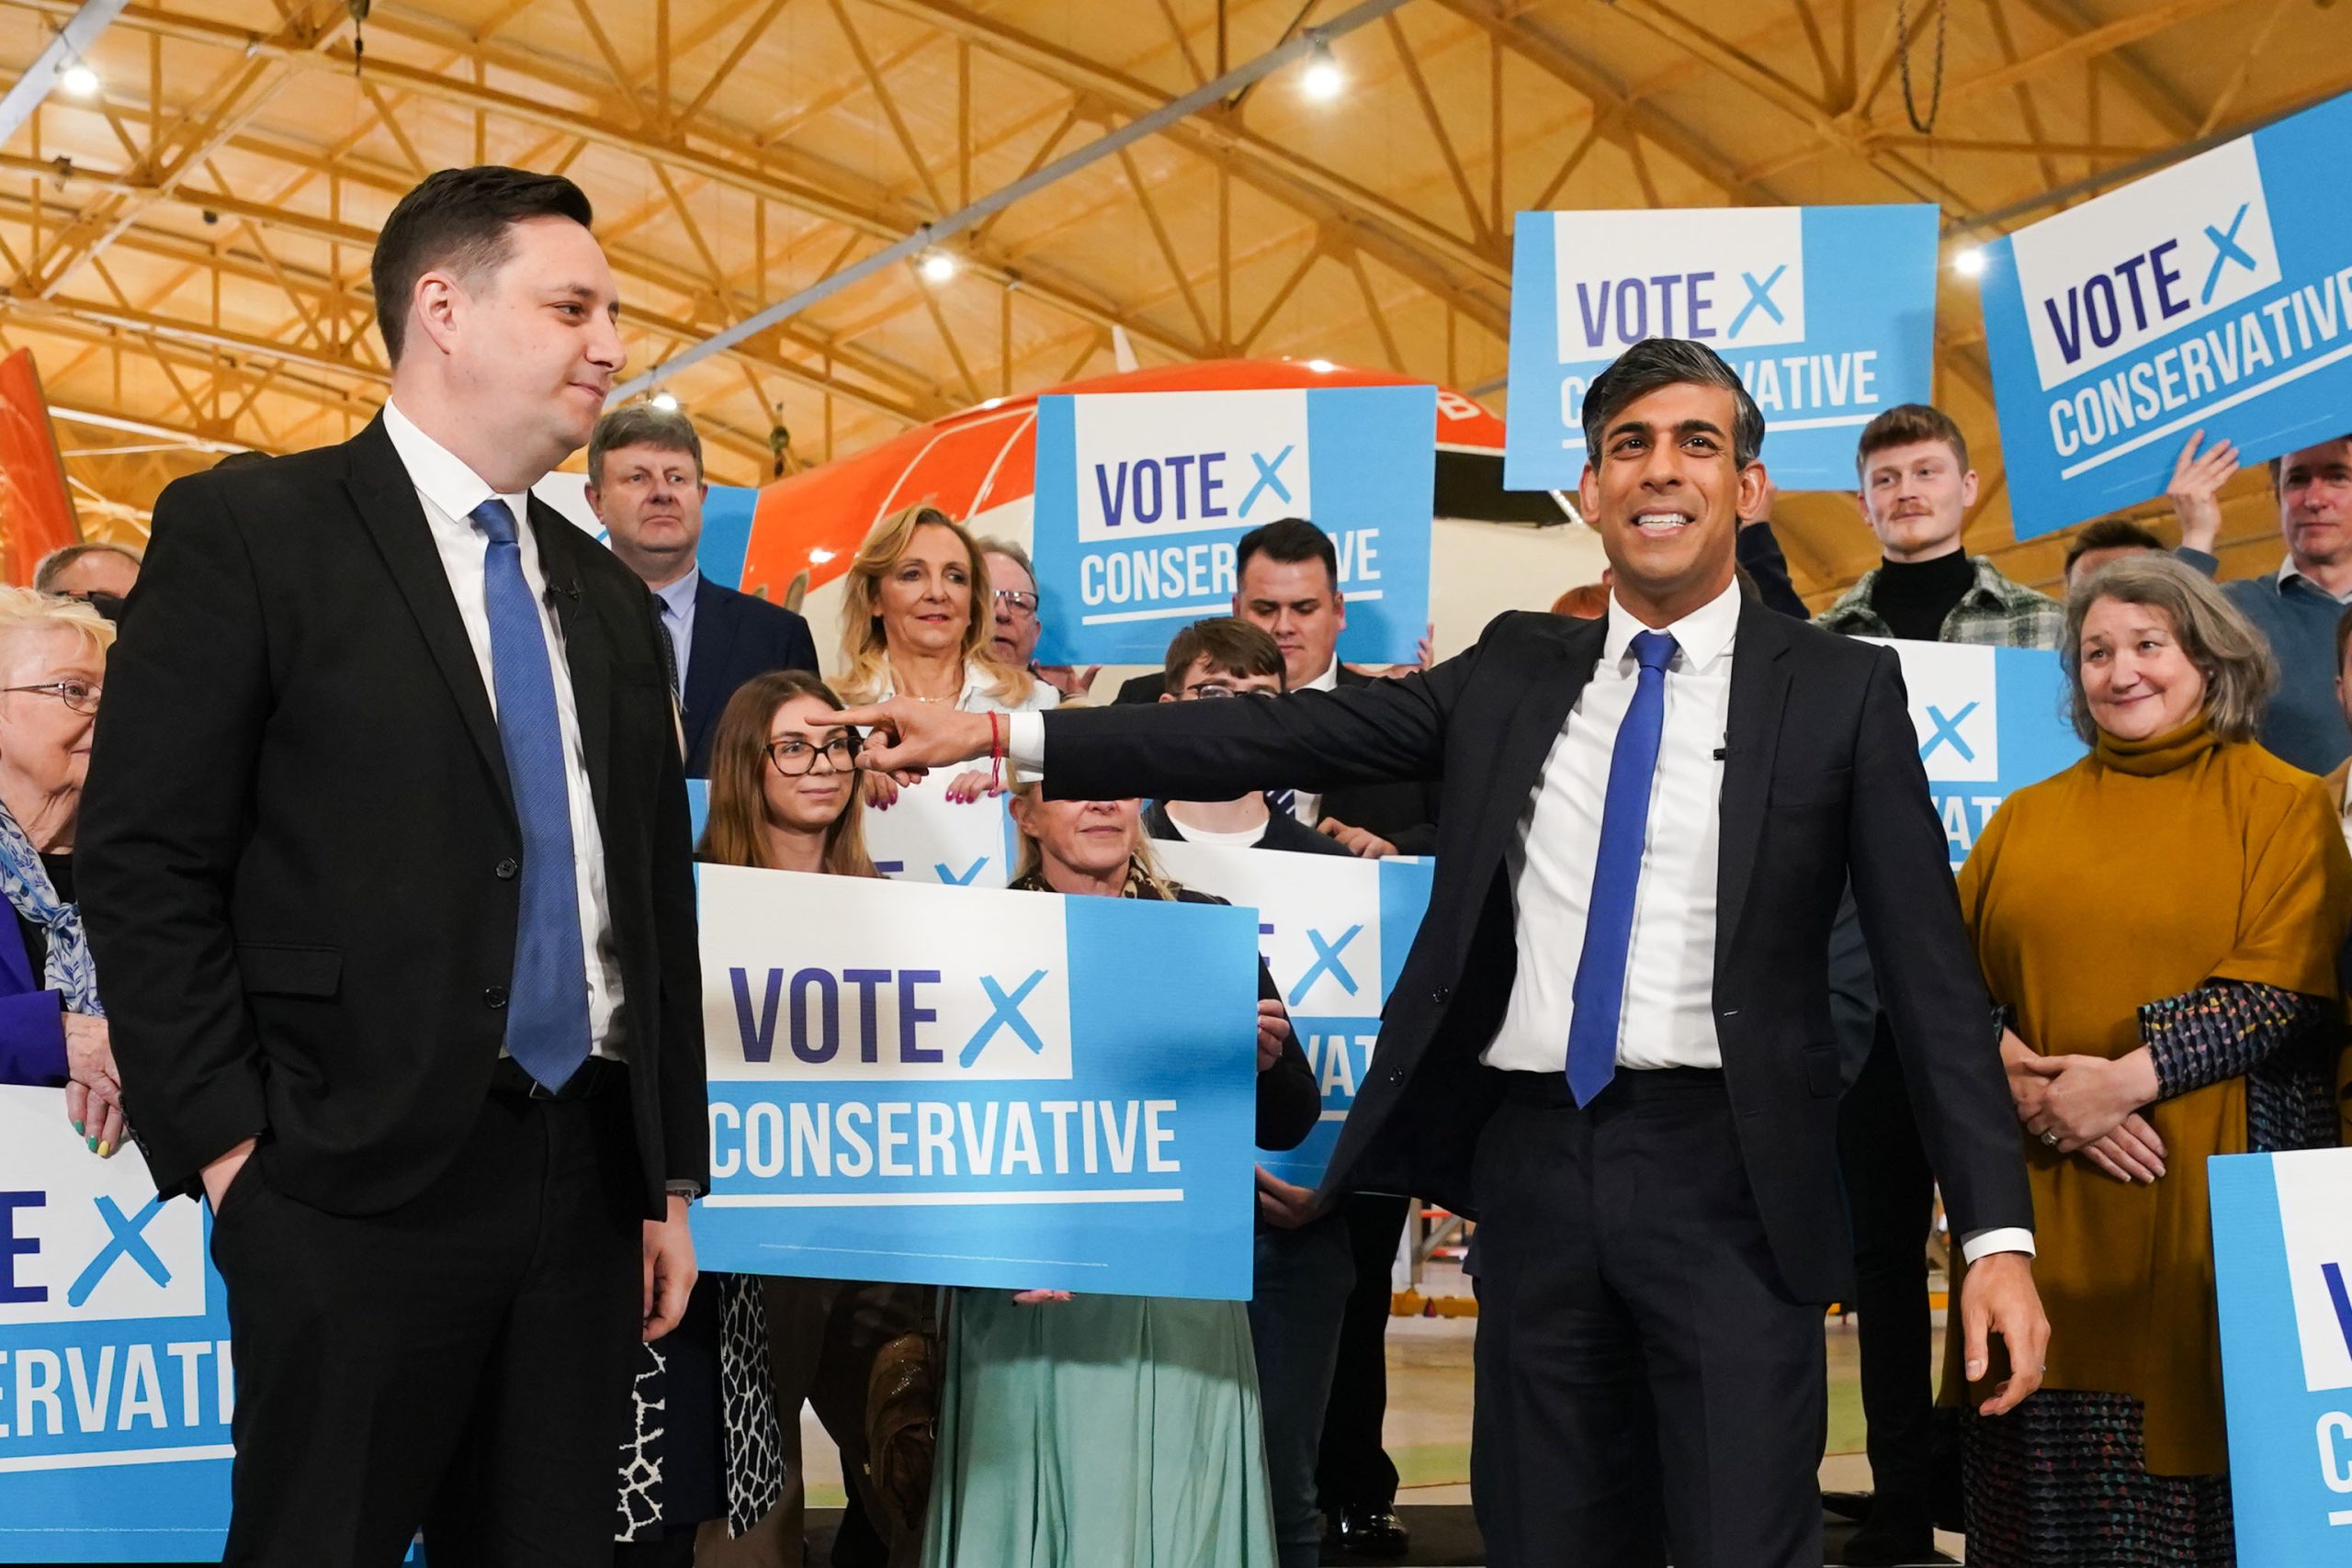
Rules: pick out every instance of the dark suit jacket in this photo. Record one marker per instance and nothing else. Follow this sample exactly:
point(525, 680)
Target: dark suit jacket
point(297, 849)
point(735, 638)
point(1403, 811)
point(1822, 778)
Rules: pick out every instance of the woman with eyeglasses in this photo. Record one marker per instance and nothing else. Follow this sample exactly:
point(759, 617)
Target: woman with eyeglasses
point(720, 1423)
point(917, 622)
point(52, 1028)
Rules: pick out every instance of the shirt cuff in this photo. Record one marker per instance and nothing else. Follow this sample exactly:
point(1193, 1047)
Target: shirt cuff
point(689, 1190)
point(1025, 741)
point(1984, 1243)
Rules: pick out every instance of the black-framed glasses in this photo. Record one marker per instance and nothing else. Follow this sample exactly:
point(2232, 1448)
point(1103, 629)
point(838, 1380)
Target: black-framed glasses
point(1024, 603)
point(82, 697)
point(1210, 689)
point(793, 758)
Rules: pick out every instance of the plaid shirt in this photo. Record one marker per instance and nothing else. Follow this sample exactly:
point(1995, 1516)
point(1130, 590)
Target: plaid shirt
point(1994, 612)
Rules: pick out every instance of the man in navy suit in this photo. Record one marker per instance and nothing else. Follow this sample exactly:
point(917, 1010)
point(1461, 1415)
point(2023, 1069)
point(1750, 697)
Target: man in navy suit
point(645, 482)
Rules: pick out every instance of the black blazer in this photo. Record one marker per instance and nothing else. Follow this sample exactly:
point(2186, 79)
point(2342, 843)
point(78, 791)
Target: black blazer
point(297, 847)
point(735, 638)
point(1822, 778)
point(1403, 811)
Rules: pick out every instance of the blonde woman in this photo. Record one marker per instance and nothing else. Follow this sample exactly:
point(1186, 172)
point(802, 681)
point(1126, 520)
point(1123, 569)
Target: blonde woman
point(1083, 1430)
point(917, 622)
point(52, 1031)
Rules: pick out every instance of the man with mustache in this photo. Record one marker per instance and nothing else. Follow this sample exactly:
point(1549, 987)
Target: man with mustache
point(389, 863)
point(1609, 1043)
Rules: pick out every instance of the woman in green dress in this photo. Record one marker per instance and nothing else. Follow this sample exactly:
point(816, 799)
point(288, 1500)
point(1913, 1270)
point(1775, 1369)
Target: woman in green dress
point(1092, 1431)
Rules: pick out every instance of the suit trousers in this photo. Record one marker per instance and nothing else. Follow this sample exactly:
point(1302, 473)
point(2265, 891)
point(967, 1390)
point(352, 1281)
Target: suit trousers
point(1351, 1469)
point(461, 1363)
point(1647, 1390)
point(1299, 1293)
point(1891, 1194)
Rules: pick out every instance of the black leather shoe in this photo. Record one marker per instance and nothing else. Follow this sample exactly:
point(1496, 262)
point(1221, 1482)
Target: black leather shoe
point(1370, 1532)
point(1897, 1533)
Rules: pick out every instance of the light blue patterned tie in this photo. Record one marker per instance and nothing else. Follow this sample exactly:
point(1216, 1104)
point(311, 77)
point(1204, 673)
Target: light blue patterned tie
point(1600, 991)
point(546, 1011)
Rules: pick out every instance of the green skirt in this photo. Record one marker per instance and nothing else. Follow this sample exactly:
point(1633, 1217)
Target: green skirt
point(1100, 1432)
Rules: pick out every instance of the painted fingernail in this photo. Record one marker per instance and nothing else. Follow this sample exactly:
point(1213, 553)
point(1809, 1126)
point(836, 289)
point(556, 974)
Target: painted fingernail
point(106, 1151)
point(77, 1130)
point(94, 1144)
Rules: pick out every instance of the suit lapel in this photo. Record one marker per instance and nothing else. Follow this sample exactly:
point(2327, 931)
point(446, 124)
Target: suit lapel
point(587, 648)
point(716, 629)
point(385, 498)
point(1759, 692)
point(1536, 722)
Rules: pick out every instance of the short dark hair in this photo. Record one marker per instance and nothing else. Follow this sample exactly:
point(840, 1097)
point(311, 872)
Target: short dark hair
point(1289, 540)
point(1231, 645)
point(2111, 533)
point(1658, 363)
point(1907, 424)
point(2279, 472)
point(458, 218)
point(641, 424)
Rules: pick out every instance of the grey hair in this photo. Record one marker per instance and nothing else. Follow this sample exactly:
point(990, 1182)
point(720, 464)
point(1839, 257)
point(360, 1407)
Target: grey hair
point(1009, 551)
point(2234, 657)
point(53, 565)
point(1660, 362)
point(641, 424)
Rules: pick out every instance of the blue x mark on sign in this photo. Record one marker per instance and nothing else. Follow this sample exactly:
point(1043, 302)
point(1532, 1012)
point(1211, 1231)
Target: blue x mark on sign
point(1948, 729)
point(1759, 298)
point(127, 1240)
point(1006, 1016)
point(1269, 478)
point(2226, 250)
point(1327, 956)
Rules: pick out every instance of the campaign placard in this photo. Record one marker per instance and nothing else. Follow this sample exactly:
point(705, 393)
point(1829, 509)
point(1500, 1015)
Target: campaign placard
point(1827, 314)
point(1990, 721)
point(960, 1086)
point(1141, 497)
point(1334, 931)
point(2186, 299)
point(115, 1384)
point(2282, 1266)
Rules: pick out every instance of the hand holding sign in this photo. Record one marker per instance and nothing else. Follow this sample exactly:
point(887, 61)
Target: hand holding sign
point(2195, 491)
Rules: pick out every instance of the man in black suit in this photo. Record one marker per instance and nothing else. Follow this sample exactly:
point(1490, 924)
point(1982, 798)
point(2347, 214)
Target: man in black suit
point(1610, 1041)
point(386, 864)
point(646, 486)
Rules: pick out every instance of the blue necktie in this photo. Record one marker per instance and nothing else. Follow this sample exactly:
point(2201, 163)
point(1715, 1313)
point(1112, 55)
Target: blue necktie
point(1284, 801)
point(546, 1011)
point(1600, 992)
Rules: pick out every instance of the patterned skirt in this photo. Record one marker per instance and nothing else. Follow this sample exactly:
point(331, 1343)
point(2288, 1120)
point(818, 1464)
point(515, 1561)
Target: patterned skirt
point(2062, 1481)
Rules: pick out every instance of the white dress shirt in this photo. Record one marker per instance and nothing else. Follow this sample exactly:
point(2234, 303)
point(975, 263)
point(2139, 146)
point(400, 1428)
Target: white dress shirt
point(677, 603)
point(1668, 1017)
point(449, 491)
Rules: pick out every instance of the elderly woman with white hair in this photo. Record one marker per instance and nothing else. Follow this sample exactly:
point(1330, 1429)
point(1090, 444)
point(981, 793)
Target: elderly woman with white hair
point(52, 1029)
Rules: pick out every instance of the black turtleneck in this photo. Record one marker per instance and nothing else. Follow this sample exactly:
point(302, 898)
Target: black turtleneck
point(1914, 597)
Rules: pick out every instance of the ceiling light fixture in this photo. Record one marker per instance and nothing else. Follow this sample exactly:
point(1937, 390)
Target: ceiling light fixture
point(938, 266)
point(1969, 262)
point(79, 80)
point(666, 402)
point(1323, 78)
